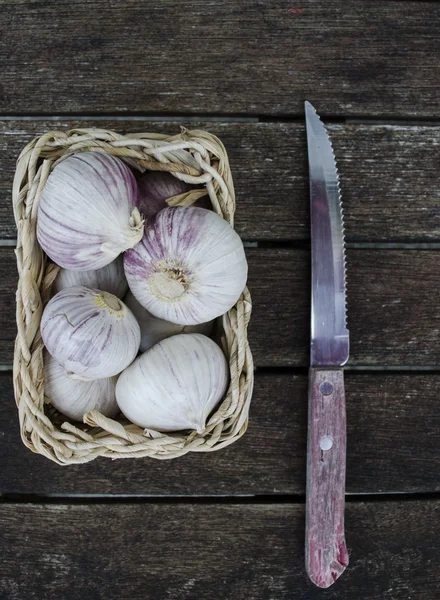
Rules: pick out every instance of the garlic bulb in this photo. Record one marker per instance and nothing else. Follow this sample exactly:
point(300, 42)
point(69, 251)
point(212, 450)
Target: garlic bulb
point(154, 330)
point(89, 332)
point(189, 268)
point(155, 188)
point(74, 397)
point(88, 212)
point(110, 278)
point(175, 385)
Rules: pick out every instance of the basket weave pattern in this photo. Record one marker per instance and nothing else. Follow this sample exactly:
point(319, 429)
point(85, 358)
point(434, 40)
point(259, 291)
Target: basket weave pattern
point(195, 157)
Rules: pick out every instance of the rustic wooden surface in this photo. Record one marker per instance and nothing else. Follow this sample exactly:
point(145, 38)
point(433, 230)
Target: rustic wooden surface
point(252, 57)
point(392, 420)
point(231, 524)
point(205, 551)
point(271, 177)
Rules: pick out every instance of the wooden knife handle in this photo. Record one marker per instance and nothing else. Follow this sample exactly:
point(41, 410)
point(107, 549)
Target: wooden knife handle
point(326, 552)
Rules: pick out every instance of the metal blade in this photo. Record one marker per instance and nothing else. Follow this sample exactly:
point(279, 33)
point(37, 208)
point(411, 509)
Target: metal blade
point(329, 334)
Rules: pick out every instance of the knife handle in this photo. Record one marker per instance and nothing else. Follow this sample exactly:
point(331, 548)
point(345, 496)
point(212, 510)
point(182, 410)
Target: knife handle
point(326, 552)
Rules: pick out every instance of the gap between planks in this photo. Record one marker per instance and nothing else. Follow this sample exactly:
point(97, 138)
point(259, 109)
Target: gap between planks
point(241, 499)
point(223, 117)
point(292, 370)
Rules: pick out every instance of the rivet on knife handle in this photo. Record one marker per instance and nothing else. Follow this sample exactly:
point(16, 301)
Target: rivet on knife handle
point(326, 552)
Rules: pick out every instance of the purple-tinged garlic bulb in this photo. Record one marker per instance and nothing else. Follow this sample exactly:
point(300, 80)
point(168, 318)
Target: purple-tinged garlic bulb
point(90, 333)
point(155, 187)
point(189, 268)
point(88, 212)
point(175, 385)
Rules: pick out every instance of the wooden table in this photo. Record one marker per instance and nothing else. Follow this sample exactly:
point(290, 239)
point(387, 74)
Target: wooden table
point(230, 525)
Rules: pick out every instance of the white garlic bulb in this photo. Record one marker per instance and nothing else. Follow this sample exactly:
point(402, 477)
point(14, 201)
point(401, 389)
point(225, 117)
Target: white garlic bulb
point(189, 268)
point(74, 397)
point(154, 330)
point(89, 332)
point(88, 213)
point(110, 278)
point(175, 385)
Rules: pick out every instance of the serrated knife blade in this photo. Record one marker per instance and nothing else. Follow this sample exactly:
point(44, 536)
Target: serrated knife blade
point(329, 335)
point(325, 549)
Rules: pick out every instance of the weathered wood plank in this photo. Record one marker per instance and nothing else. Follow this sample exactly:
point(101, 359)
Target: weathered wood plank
point(392, 420)
point(392, 312)
point(389, 176)
point(350, 58)
point(8, 328)
point(211, 551)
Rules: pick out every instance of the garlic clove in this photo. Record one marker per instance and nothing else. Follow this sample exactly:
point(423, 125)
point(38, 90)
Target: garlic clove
point(153, 330)
point(88, 213)
point(110, 278)
point(189, 268)
point(175, 385)
point(74, 397)
point(89, 332)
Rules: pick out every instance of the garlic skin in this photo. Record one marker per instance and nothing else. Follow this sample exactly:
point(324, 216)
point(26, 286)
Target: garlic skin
point(153, 330)
point(175, 385)
point(74, 397)
point(88, 213)
point(189, 268)
point(89, 332)
point(110, 278)
point(155, 187)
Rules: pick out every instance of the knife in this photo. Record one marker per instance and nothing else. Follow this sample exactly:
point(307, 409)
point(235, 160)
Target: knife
point(325, 548)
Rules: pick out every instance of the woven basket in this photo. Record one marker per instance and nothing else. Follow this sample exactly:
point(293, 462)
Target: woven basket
point(195, 157)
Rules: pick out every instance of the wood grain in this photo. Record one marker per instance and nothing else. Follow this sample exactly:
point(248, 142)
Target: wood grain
point(253, 57)
point(191, 552)
point(325, 547)
point(392, 434)
point(8, 328)
point(389, 175)
point(393, 315)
